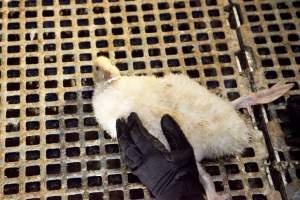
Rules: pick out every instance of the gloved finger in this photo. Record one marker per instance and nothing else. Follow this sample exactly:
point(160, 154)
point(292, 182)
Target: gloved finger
point(123, 134)
point(173, 133)
point(141, 137)
point(130, 153)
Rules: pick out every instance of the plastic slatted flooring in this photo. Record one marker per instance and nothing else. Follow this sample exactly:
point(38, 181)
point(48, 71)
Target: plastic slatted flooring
point(273, 31)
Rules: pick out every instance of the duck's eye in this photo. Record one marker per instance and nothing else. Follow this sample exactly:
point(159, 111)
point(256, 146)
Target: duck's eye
point(97, 68)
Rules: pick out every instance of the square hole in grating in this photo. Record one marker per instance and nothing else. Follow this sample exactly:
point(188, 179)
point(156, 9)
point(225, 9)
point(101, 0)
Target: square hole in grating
point(271, 75)
point(193, 73)
point(216, 24)
point(188, 49)
point(276, 39)
point(273, 28)
point(209, 72)
point(240, 197)
point(206, 60)
point(190, 61)
point(230, 83)
point(255, 183)
point(113, 163)
point(185, 38)
point(289, 26)
point(227, 71)
point(269, 17)
point(114, 179)
point(53, 169)
point(92, 150)
point(156, 64)
point(257, 29)
point(87, 108)
point(13, 73)
point(235, 184)
point(33, 170)
point(212, 84)
point(251, 167)
point(52, 124)
point(11, 172)
point(33, 125)
point(12, 127)
point(93, 165)
point(280, 50)
point(48, 13)
point(136, 194)
point(169, 39)
point(94, 181)
point(213, 170)
point(232, 169)
point(112, 148)
point(132, 178)
point(202, 36)
point(75, 197)
point(12, 142)
point(33, 155)
point(248, 152)
point(72, 137)
point(86, 69)
point(70, 109)
point(69, 96)
point(284, 61)
point(51, 110)
point(52, 153)
point(219, 186)
point(253, 18)
point(73, 152)
point(53, 184)
point(71, 123)
point(122, 66)
point(91, 135)
point(73, 167)
point(53, 138)
point(152, 29)
point(232, 95)
point(13, 61)
point(12, 113)
point(32, 140)
point(259, 197)
point(116, 194)
point(13, 99)
point(183, 27)
point(267, 63)
point(11, 189)
point(13, 49)
point(96, 196)
point(263, 51)
point(32, 187)
point(74, 183)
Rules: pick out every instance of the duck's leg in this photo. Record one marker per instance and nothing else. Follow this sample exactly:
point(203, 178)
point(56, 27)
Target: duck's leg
point(209, 186)
point(263, 96)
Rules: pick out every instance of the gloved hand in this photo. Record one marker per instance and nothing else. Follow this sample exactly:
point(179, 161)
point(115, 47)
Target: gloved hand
point(167, 174)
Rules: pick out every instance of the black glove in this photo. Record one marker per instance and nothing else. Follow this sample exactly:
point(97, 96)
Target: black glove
point(168, 175)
